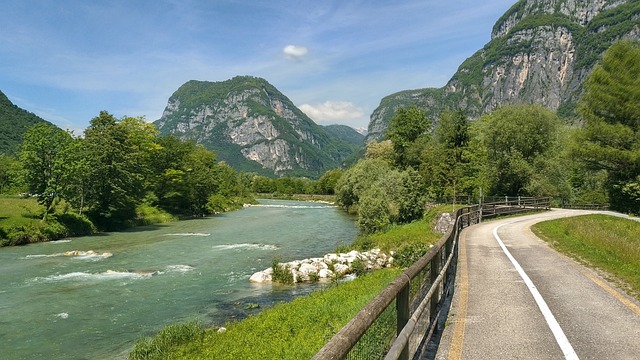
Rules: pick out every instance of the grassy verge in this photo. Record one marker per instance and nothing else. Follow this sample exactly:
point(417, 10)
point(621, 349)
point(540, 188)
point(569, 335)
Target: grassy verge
point(409, 241)
point(295, 330)
point(609, 243)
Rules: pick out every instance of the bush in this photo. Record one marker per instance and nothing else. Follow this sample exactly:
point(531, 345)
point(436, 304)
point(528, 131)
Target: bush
point(281, 273)
point(149, 215)
point(409, 254)
point(76, 224)
point(358, 267)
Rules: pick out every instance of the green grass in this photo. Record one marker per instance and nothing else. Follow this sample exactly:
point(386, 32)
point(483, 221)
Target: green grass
point(609, 243)
point(295, 330)
point(417, 233)
point(15, 211)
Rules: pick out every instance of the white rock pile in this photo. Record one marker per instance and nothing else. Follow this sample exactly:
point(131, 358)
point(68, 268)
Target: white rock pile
point(327, 267)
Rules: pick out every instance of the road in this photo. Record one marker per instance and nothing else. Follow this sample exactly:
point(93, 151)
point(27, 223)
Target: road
point(516, 298)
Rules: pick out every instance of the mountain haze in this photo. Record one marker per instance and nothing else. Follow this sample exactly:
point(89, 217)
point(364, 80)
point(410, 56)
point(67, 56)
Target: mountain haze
point(541, 51)
point(254, 127)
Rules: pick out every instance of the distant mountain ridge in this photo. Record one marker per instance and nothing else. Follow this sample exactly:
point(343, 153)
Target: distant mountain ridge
point(541, 51)
point(254, 127)
point(14, 122)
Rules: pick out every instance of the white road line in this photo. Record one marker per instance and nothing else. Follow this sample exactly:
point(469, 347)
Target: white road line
point(562, 340)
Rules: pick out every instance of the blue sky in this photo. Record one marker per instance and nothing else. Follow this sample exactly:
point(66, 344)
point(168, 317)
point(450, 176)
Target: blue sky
point(67, 60)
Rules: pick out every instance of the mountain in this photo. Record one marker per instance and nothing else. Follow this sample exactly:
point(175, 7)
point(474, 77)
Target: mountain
point(345, 133)
point(541, 51)
point(14, 122)
point(254, 127)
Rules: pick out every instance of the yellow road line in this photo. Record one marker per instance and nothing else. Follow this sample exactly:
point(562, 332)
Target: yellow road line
point(615, 293)
point(626, 302)
point(455, 349)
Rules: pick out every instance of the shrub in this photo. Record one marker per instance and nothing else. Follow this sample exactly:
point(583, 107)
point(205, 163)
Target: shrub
point(76, 224)
point(281, 273)
point(149, 215)
point(409, 254)
point(358, 267)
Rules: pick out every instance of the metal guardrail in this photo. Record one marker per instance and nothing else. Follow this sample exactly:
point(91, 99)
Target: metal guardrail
point(400, 321)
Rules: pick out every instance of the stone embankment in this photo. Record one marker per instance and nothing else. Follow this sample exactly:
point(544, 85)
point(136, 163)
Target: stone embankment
point(328, 267)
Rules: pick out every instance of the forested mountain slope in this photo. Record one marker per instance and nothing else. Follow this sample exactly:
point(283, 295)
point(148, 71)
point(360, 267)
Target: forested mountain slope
point(14, 122)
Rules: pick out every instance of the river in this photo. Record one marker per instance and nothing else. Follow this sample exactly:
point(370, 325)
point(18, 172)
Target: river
point(95, 306)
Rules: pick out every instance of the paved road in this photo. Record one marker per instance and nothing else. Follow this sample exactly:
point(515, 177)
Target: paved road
point(523, 300)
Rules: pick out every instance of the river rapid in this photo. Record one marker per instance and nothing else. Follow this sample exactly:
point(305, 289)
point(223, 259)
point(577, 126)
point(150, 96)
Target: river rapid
point(96, 304)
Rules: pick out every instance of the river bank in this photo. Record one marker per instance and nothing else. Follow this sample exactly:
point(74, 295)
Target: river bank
point(22, 221)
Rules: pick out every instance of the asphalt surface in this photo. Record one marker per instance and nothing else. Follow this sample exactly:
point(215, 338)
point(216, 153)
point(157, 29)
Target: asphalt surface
point(550, 308)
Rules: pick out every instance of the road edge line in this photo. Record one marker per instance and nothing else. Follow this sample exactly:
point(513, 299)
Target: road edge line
point(561, 338)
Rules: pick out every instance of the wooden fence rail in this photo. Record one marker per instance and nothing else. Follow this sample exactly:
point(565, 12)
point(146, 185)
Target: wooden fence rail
point(382, 330)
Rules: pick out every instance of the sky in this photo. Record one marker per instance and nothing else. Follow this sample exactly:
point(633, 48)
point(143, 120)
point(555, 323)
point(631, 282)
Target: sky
point(66, 60)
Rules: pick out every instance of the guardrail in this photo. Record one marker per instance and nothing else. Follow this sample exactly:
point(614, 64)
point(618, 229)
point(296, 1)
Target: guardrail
point(514, 205)
point(400, 321)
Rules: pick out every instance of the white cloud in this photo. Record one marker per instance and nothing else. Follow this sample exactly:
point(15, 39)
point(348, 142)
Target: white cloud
point(295, 51)
point(333, 111)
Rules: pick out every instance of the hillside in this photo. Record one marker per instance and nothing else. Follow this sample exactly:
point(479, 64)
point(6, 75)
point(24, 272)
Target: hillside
point(14, 122)
point(540, 52)
point(254, 127)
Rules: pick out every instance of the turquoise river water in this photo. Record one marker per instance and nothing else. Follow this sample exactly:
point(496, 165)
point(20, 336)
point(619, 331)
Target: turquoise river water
point(95, 306)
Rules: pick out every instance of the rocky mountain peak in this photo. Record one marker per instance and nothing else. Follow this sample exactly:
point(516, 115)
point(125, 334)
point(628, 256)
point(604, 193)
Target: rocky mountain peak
point(253, 127)
point(541, 51)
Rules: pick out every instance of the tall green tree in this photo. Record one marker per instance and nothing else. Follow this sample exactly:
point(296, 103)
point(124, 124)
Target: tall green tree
point(516, 138)
point(118, 152)
point(444, 162)
point(201, 179)
point(406, 129)
point(77, 174)
point(43, 158)
point(328, 181)
point(610, 140)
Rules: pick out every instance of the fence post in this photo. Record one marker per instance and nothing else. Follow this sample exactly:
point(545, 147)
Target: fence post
point(435, 269)
point(403, 315)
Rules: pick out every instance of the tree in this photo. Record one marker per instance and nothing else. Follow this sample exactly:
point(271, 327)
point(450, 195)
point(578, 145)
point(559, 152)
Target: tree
point(76, 176)
point(10, 173)
point(515, 137)
point(404, 129)
point(610, 140)
point(118, 153)
point(328, 181)
point(355, 181)
point(43, 158)
point(201, 180)
point(444, 161)
point(169, 169)
point(395, 197)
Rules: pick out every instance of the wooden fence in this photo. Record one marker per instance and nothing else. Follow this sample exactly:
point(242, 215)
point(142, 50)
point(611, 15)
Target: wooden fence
point(400, 321)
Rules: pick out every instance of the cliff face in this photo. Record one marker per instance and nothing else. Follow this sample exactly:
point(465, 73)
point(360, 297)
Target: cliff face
point(540, 52)
point(253, 127)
